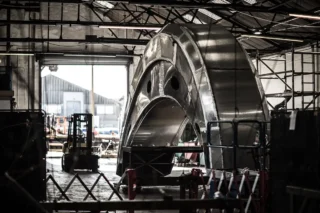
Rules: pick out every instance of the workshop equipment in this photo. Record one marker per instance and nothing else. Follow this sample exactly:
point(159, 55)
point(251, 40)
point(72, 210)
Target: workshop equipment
point(78, 151)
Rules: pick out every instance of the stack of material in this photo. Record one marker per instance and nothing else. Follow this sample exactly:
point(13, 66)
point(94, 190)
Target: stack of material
point(109, 153)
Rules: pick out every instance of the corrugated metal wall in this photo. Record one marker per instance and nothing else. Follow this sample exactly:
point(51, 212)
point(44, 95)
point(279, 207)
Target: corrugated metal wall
point(54, 88)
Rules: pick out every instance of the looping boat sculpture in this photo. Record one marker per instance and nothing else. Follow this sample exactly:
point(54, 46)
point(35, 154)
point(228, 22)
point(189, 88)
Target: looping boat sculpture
point(191, 74)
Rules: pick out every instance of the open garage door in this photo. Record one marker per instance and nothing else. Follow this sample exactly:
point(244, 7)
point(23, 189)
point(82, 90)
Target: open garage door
point(84, 60)
point(73, 107)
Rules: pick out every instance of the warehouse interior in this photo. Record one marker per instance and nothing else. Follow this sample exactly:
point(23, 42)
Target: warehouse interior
point(220, 111)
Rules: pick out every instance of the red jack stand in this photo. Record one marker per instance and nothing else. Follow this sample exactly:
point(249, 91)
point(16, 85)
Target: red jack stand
point(131, 175)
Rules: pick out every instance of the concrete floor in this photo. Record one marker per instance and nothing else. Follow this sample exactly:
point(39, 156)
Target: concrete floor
point(102, 191)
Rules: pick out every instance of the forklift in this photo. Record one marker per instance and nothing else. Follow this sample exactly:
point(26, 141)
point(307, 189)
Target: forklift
point(78, 151)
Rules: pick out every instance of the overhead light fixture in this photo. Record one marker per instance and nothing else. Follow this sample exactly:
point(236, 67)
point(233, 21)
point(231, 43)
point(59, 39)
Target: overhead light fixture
point(314, 17)
point(51, 53)
point(257, 31)
point(221, 1)
point(126, 27)
point(270, 37)
point(83, 55)
point(251, 1)
point(17, 54)
point(193, 19)
point(209, 14)
point(105, 4)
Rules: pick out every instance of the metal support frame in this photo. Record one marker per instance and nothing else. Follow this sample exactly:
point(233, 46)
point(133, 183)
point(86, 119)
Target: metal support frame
point(306, 68)
point(83, 23)
point(160, 151)
point(142, 205)
point(88, 190)
point(240, 186)
point(135, 18)
point(231, 183)
point(191, 182)
point(97, 15)
point(261, 147)
point(307, 194)
point(248, 186)
point(174, 9)
point(192, 4)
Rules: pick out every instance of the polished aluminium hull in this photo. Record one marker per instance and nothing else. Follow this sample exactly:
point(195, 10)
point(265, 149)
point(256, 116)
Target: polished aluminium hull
point(196, 74)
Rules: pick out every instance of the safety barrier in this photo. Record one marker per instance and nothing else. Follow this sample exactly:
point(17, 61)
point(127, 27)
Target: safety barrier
point(249, 188)
point(188, 182)
point(88, 190)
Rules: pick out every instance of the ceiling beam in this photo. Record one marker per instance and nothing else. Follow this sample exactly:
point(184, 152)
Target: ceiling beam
point(289, 18)
point(88, 54)
point(83, 23)
point(183, 4)
point(120, 41)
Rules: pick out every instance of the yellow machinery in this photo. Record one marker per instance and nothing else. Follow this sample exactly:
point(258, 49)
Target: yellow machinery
point(77, 151)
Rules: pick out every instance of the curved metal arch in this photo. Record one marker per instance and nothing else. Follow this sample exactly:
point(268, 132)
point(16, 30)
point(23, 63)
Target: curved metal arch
point(203, 74)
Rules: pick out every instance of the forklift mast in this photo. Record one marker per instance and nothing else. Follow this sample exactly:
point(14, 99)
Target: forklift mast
point(79, 144)
point(75, 134)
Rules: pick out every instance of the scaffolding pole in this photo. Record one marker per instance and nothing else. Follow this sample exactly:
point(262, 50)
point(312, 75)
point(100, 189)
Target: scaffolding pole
point(307, 70)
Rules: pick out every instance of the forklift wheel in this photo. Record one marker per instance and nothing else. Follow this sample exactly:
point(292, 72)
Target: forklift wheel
point(66, 168)
point(62, 163)
point(124, 190)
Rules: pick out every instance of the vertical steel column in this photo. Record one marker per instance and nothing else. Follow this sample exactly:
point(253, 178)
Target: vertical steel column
point(8, 58)
point(313, 62)
point(74, 120)
point(128, 79)
point(257, 63)
point(48, 28)
point(89, 133)
point(40, 86)
point(61, 14)
point(293, 74)
point(263, 173)
point(92, 94)
point(285, 78)
point(317, 59)
point(302, 80)
point(33, 67)
point(235, 145)
point(8, 62)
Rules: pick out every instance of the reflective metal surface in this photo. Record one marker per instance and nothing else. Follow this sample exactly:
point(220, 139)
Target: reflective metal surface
point(193, 73)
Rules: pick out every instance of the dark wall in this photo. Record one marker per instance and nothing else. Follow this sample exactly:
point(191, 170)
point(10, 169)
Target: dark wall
point(295, 158)
point(23, 157)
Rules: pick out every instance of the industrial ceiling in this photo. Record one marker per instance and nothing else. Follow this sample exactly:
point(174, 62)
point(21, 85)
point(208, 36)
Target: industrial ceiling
point(69, 28)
